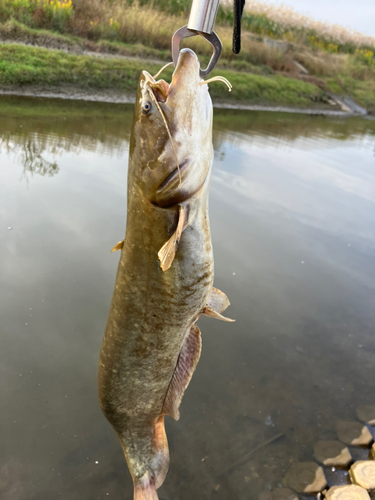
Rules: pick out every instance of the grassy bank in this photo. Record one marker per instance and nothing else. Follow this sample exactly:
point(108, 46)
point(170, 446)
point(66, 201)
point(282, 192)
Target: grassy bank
point(120, 19)
point(151, 23)
point(22, 66)
point(336, 59)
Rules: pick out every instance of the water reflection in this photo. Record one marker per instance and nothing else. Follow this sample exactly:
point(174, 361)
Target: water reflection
point(290, 127)
point(31, 129)
point(28, 151)
point(292, 216)
point(105, 130)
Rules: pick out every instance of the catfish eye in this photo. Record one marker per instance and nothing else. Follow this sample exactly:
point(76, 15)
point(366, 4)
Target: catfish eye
point(146, 107)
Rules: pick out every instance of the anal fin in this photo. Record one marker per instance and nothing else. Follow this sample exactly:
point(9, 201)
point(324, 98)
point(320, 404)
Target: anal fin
point(168, 251)
point(185, 367)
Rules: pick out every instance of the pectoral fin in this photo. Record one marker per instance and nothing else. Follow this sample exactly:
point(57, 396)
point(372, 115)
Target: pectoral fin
point(207, 311)
point(118, 246)
point(168, 251)
point(185, 367)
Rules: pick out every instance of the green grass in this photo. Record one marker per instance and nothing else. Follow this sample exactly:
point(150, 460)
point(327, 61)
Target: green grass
point(262, 90)
point(16, 32)
point(253, 60)
point(25, 66)
point(19, 33)
point(141, 31)
point(92, 16)
point(344, 74)
point(22, 66)
point(362, 91)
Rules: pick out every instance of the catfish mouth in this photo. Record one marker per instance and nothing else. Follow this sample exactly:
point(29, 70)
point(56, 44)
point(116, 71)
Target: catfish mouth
point(160, 88)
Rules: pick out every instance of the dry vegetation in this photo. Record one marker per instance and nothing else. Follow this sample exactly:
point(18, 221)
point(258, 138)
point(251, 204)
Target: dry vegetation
point(98, 20)
point(334, 56)
point(292, 23)
point(153, 21)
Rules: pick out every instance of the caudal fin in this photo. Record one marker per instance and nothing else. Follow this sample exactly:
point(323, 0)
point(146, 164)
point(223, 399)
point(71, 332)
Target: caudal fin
point(156, 465)
point(145, 490)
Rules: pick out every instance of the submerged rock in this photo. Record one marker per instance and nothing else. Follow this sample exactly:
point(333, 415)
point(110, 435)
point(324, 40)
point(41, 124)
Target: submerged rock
point(354, 433)
point(306, 477)
point(332, 453)
point(366, 414)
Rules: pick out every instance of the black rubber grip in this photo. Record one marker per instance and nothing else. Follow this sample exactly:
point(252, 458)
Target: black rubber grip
point(237, 14)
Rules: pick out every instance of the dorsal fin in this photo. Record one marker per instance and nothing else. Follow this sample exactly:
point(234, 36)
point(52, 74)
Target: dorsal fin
point(185, 367)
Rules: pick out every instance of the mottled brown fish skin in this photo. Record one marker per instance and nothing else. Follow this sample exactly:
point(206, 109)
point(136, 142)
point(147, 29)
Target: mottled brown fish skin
point(153, 312)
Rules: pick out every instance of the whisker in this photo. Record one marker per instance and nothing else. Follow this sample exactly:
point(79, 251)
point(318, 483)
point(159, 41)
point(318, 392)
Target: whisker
point(162, 69)
point(218, 79)
point(168, 131)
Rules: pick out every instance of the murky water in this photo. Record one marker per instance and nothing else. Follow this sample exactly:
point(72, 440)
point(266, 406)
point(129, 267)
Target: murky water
point(293, 223)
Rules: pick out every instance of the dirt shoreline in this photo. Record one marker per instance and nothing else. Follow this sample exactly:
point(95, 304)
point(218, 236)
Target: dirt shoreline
point(116, 98)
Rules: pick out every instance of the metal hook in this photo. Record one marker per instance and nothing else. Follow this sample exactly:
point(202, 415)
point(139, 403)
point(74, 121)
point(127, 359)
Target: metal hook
point(212, 38)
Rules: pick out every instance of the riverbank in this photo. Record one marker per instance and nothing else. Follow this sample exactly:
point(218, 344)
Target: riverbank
point(97, 50)
point(36, 71)
point(72, 94)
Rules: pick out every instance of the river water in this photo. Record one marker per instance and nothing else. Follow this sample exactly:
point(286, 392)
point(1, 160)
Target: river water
point(293, 225)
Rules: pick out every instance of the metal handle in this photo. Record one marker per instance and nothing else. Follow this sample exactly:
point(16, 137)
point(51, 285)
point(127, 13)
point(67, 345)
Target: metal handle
point(214, 40)
point(203, 15)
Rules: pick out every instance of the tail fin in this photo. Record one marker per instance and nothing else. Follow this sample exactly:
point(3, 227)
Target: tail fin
point(157, 465)
point(145, 490)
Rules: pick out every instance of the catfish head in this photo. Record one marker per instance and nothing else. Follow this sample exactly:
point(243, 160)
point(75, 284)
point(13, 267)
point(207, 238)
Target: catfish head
point(171, 146)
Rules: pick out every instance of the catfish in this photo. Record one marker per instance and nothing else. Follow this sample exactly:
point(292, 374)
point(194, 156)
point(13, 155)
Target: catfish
point(164, 281)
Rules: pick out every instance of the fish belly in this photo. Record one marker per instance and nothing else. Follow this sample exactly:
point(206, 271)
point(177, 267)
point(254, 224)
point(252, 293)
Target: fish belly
point(151, 347)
